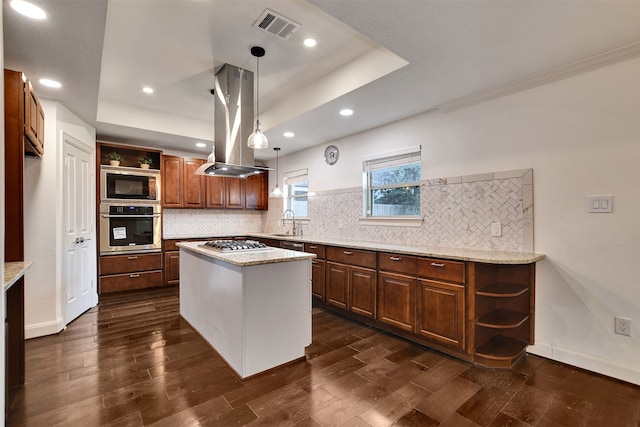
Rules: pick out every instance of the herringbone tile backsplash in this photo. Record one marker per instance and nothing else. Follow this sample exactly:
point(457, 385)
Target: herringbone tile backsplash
point(457, 212)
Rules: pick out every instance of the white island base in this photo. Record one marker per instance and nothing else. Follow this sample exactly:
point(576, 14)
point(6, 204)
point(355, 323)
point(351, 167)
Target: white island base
point(257, 316)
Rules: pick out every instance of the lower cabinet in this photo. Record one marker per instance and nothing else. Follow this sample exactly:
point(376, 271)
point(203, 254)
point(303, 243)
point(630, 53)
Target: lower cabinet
point(350, 280)
point(129, 272)
point(362, 291)
point(396, 300)
point(317, 279)
point(440, 312)
point(172, 268)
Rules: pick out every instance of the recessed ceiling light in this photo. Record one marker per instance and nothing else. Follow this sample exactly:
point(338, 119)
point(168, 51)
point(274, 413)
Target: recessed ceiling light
point(310, 42)
point(147, 89)
point(289, 134)
point(201, 144)
point(346, 112)
point(50, 83)
point(28, 9)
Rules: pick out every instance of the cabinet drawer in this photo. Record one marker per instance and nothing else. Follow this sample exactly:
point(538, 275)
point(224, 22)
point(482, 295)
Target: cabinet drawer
point(452, 271)
point(314, 248)
point(130, 263)
point(129, 281)
point(351, 256)
point(397, 263)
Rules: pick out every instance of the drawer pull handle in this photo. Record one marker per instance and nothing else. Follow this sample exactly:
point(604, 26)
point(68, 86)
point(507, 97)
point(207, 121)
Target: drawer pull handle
point(134, 276)
point(132, 257)
point(313, 247)
point(437, 264)
point(395, 258)
point(348, 253)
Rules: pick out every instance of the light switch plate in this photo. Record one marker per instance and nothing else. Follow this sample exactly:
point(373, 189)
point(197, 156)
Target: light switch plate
point(600, 204)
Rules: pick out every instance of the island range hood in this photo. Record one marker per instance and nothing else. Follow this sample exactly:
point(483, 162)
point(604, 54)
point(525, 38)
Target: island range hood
point(233, 121)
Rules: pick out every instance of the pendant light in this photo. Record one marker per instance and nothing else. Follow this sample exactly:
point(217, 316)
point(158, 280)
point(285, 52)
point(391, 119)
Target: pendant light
point(276, 191)
point(257, 139)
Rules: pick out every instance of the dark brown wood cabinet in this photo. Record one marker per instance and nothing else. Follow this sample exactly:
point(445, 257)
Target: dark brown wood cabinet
point(129, 272)
point(172, 171)
point(192, 185)
point(440, 312)
point(396, 300)
point(224, 192)
point(350, 281)
point(397, 290)
point(257, 191)
point(33, 122)
point(181, 188)
point(318, 268)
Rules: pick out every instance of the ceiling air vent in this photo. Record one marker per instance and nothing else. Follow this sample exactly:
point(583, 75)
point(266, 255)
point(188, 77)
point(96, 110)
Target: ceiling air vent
point(276, 24)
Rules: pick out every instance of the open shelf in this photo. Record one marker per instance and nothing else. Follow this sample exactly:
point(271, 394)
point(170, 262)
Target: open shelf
point(500, 347)
point(503, 290)
point(502, 319)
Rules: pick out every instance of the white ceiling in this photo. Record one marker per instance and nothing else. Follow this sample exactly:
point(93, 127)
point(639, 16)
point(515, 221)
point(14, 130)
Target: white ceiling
point(386, 59)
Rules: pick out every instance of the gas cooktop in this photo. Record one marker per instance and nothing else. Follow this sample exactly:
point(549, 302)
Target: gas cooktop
point(236, 245)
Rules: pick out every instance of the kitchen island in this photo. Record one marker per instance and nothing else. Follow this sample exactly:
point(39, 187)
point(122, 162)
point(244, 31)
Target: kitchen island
point(254, 307)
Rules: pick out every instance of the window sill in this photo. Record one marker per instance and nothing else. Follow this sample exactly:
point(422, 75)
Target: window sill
point(392, 221)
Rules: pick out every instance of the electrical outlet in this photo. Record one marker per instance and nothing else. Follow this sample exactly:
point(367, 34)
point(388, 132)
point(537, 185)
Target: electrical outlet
point(623, 326)
point(496, 229)
point(340, 224)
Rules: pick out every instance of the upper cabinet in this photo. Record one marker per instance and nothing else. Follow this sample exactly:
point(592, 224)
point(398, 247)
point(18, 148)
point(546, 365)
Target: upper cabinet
point(33, 122)
point(182, 188)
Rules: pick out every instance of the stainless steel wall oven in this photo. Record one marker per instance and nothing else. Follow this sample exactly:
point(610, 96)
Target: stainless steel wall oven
point(130, 228)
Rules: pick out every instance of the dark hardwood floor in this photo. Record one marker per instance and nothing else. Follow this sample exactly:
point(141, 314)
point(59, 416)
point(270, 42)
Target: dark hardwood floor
point(132, 361)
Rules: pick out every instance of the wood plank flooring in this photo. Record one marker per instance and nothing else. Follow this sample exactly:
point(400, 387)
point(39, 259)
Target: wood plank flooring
point(132, 361)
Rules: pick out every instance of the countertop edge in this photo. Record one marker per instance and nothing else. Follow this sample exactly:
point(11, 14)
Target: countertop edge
point(13, 271)
point(245, 259)
point(456, 254)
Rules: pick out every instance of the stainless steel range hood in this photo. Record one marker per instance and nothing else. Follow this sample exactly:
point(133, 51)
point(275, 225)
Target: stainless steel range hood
point(233, 121)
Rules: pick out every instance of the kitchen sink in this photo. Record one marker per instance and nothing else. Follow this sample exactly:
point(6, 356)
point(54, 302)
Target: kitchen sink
point(282, 235)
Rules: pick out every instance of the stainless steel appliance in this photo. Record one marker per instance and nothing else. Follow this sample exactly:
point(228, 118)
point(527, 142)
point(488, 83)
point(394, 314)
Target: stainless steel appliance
point(129, 185)
point(235, 245)
point(130, 228)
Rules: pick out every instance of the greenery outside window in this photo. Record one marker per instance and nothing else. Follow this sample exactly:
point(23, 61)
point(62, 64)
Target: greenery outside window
point(296, 191)
point(391, 185)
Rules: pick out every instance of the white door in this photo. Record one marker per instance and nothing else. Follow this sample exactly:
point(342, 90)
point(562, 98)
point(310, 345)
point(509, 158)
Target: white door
point(78, 273)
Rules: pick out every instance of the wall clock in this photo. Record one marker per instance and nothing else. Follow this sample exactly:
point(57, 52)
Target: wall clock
point(331, 154)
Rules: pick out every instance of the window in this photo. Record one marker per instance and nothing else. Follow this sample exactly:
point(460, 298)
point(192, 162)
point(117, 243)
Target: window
point(391, 185)
point(296, 190)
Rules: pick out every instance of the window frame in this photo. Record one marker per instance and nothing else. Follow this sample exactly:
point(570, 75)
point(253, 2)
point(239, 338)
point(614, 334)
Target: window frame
point(290, 178)
point(408, 156)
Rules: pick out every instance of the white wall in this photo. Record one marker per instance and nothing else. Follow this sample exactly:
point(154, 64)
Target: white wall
point(43, 222)
point(581, 136)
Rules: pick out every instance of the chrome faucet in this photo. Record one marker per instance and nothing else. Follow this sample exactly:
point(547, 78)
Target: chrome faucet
point(294, 229)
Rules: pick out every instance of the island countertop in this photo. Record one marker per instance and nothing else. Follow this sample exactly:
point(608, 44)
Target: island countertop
point(246, 258)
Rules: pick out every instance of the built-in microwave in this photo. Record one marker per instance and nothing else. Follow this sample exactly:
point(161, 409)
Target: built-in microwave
point(129, 185)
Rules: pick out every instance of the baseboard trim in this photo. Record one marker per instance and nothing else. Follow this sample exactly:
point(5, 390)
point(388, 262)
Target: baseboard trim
point(42, 329)
point(586, 361)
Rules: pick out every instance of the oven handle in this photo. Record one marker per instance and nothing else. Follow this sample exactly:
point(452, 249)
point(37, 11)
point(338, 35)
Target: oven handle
point(130, 216)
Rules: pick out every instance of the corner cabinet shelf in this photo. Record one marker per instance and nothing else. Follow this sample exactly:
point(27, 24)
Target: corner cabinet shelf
point(503, 313)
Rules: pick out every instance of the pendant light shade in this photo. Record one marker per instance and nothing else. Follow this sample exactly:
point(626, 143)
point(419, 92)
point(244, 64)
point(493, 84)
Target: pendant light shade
point(276, 191)
point(257, 139)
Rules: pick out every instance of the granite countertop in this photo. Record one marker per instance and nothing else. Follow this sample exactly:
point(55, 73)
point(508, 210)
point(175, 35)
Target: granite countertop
point(459, 254)
point(13, 271)
point(243, 259)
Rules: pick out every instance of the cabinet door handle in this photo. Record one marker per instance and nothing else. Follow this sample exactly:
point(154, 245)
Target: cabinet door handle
point(132, 257)
point(437, 264)
point(395, 258)
point(348, 253)
point(134, 276)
